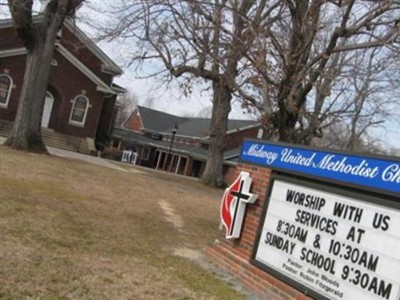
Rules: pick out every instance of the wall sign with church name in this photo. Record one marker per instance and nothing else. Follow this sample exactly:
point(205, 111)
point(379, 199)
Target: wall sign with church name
point(324, 233)
point(373, 173)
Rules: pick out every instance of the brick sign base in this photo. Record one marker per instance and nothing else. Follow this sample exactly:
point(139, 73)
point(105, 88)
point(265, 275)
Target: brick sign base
point(234, 256)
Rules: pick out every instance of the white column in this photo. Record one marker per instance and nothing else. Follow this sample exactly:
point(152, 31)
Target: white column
point(134, 158)
point(177, 166)
point(123, 158)
point(159, 159)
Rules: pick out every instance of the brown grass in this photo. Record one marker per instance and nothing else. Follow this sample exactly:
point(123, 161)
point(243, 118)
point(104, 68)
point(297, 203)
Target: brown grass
point(71, 230)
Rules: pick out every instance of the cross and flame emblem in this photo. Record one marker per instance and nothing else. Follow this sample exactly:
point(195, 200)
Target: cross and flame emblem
point(234, 203)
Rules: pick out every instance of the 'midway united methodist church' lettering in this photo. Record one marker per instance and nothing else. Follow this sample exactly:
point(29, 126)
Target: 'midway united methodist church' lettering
point(373, 173)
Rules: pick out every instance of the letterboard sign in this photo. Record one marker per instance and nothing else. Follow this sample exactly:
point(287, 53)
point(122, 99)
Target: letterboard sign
point(328, 243)
point(372, 173)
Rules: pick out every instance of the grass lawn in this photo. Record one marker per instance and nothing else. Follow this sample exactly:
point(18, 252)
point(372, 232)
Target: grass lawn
point(72, 230)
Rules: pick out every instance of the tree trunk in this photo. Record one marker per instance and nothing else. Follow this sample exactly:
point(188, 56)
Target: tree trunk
point(26, 134)
point(213, 173)
point(286, 125)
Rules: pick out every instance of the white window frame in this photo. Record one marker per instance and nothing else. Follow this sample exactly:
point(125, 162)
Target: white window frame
point(260, 133)
point(5, 105)
point(146, 150)
point(72, 122)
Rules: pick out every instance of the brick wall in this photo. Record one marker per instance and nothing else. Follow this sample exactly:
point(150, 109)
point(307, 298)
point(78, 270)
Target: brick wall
point(230, 174)
point(134, 122)
point(70, 82)
point(9, 39)
point(86, 56)
point(65, 83)
point(235, 139)
point(234, 256)
point(107, 115)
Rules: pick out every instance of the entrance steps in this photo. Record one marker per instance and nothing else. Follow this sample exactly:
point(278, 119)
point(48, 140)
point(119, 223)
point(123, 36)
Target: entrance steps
point(56, 139)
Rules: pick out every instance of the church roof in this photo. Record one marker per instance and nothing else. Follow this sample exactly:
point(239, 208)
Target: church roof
point(161, 122)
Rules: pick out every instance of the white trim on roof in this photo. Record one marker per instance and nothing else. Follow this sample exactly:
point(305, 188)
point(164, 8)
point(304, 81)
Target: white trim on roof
point(6, 23)
point(13, 52)
point(205, 138)
point(109, 65)
point(195, 138)
point(140, 117)
point(232, 156)
point(118, 89)
point(230, 163)
point(243, 128)
point(101, 85)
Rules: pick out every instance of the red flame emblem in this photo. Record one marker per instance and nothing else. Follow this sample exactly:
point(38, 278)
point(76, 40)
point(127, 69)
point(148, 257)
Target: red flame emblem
point(234, 203)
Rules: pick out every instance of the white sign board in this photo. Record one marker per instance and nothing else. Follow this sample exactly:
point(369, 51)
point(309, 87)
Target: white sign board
point(340, 247)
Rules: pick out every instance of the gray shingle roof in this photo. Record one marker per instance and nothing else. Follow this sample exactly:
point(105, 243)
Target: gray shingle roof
point(161, 122)
point(158, 121)
point(193, 127)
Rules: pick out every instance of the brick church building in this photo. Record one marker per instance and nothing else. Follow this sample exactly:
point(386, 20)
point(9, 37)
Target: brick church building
point(81, 97)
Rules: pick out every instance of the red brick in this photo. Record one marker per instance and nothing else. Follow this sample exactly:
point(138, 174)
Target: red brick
point(235, 256)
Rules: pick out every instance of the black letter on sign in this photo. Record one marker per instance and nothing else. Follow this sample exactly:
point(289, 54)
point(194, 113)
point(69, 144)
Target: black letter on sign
point(379, 219)
point(352, 234)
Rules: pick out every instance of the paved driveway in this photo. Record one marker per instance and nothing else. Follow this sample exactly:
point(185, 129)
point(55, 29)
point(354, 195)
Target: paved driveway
point(74, 155)
point(88, 158)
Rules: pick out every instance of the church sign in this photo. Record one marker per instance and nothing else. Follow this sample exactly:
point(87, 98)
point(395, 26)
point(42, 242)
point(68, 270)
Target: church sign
point(368, 172)
point(321, 231)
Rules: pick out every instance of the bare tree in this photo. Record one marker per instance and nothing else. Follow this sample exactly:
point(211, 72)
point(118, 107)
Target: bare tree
point(149, 102)
point(126, 105)
point(38, 34)
point(192, 39)
point(336, 136)
point(297, 50)
point(372, 99)
point(359, 93)
point(278, 56)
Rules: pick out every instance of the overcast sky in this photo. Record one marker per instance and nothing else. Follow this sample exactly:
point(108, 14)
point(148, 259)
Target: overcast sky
point(171, 99)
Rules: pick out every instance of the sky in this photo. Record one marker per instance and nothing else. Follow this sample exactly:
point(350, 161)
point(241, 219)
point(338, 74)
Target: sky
point(171, 99)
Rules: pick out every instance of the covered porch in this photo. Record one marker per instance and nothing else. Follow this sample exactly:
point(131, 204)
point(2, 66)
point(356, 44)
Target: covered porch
point(173, 162)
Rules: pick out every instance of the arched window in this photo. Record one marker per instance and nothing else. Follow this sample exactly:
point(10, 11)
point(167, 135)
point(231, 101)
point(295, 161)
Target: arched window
point(47, 109)
point(79, 110)
point(5, 89)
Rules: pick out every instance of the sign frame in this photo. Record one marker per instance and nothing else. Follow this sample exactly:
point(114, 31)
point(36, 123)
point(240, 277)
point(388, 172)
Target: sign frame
point(332, 180)
point(315, 184)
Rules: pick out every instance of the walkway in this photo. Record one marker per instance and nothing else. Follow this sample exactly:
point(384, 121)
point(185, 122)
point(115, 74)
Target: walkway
point(74, 155)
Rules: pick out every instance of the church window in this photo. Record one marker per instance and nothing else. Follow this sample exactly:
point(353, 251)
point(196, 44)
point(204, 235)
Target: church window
point(5, 89)
point(79, 110)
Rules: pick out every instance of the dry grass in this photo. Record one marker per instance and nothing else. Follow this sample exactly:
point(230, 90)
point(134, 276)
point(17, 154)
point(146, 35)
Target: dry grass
point(71, 230)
